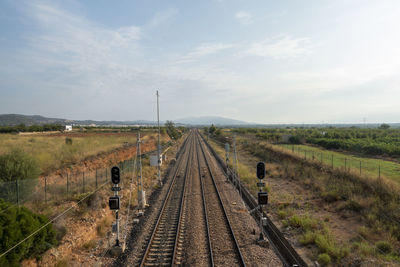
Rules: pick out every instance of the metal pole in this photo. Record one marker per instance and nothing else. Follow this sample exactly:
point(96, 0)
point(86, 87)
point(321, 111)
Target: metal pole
point(117, 219)
point(140, 177)
point(45, 189)
point(379, 169)
point(158, 145)
point(236, 166)
point(17, 189)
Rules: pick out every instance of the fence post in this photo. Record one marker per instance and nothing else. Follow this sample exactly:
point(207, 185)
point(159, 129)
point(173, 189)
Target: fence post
point(45, 189)
point(379, 169)
point(83, 181)
point(17, 190)
point(96, 178)
point(67, 185)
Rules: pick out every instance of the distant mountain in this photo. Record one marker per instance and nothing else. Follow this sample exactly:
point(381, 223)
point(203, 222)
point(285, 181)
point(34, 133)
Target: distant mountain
point(208, 120)
point(15, 119)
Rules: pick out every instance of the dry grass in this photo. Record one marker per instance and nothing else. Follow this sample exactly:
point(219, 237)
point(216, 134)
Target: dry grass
point(376, 201)
point(53, 152)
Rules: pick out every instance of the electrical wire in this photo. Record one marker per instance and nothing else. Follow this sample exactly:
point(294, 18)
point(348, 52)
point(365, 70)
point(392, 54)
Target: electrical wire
point(51, 221)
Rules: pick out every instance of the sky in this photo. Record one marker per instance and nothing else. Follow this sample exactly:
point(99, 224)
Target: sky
point(306, 61)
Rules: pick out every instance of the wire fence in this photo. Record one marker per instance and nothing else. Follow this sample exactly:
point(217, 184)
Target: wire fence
point(341, 161)
point(57, 188)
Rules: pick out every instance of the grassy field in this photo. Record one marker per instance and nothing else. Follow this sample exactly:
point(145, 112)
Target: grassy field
point(52, 151)
point(369, 166)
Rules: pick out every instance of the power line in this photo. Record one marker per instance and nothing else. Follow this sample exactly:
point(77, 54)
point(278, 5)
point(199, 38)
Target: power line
point(51, 221)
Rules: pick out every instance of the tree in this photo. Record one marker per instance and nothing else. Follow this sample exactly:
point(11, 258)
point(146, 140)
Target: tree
point(384, 126)
point(16, 224)
point(171, 130)
point(18, 165)
point(17, 170)
point(212, 129)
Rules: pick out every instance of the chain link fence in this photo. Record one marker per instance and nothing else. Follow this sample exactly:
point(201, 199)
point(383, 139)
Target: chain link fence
point(57, 188)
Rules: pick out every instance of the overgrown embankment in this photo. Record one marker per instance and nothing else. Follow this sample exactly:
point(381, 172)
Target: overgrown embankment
point(337, 217)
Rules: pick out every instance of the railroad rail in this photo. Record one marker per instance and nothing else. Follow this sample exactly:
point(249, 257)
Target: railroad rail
point(282, 247)
point(163, 246)
point(218, 219)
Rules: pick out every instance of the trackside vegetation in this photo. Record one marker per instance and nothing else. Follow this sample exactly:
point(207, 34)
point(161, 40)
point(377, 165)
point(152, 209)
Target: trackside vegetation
point(15, 224)
point(381, 141)
point(375, 203)
point(33, 128)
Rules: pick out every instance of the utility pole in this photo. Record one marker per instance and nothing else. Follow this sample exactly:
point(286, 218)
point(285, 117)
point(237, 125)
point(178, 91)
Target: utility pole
point(158, 145)
point(227, 159)
point(237, 179)
point(141, 193)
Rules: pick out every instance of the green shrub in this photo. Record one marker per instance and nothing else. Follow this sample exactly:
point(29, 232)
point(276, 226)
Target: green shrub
point(91, 244)
point(308, 238)
point(324, 259)
point(330, 196)
point(17, 165)
point(68, 141)
point(326, 245)
point(16, 224)
point(363, 248)
point(304, 222)
point(383, 247)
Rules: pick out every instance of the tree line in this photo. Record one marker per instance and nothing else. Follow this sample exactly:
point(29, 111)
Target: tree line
point(32, 128)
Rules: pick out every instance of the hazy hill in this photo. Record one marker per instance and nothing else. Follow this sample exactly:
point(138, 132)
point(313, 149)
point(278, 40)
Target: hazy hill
point(15, 119)
point(208, 120)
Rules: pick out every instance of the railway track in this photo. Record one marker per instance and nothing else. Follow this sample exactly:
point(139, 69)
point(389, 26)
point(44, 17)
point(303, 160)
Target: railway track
point(164, 245)
point(170, 234)
point(282, 247)
point(223, 245)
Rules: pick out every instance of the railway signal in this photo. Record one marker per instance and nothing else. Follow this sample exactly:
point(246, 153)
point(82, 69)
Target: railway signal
point(114, 202)
point(115, 175)
point(262, 196)
point(261, 170)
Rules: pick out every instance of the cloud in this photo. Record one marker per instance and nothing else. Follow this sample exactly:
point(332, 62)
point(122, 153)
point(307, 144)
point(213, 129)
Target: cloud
point(279, 48)
point(244, 17)
point(203, 50)
point(105, 72)
point(161, 17)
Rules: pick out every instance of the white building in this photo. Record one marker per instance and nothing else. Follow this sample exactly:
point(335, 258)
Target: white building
point(68, 128)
